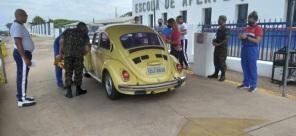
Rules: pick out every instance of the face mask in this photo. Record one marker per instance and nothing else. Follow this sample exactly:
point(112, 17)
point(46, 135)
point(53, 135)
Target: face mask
point(159, 23)
point(220, 22)
point(251, 22)
point(169, 26)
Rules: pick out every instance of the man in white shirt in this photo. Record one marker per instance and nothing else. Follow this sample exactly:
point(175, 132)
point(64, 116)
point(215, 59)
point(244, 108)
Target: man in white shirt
point(23, 48)
point(184, 41)
point(160, 26)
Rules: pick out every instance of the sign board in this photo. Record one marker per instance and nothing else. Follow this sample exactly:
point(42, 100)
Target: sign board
point(200, 38)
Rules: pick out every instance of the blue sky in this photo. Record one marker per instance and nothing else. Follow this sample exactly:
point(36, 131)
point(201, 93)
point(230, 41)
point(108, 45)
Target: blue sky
point(84, 10)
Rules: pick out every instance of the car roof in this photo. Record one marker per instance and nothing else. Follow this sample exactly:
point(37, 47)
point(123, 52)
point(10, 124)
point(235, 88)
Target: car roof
point(125, 28)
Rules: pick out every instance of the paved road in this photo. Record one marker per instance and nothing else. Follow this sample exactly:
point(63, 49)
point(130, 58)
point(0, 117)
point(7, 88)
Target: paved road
point(202, 107)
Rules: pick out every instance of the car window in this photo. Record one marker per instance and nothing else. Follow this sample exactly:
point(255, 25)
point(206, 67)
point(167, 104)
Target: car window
point(132, 40)
point(91, 37)
point(96, 39)
point(105, 41)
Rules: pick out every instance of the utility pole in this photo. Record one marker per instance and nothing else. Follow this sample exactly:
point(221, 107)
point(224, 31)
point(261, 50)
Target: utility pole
point(116, 15)
point(286, 68)
point(154, 13)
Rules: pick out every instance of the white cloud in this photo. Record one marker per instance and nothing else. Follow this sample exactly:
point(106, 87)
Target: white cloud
point(84, 10)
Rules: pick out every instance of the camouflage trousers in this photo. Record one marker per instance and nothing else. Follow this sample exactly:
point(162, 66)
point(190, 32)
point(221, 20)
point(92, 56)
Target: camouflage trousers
point(73, 65)
point(220, 56)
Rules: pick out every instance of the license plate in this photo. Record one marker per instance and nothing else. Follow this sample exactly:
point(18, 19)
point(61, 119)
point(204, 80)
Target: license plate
point(155, 70)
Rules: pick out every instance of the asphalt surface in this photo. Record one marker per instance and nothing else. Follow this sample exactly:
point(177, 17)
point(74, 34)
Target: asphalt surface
point(202, 107)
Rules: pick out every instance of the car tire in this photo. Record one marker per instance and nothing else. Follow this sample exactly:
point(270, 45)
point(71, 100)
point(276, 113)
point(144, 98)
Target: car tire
point(108, 84)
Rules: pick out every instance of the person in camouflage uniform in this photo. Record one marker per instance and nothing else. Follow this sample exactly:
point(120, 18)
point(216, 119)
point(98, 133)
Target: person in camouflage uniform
point(74, 45)
point(220, 52)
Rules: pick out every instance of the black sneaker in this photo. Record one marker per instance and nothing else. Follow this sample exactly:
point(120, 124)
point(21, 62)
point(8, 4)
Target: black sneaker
point(68, 93)
point(213, 76)
point(222, 78)
point(80, 91)
point(252, 89)
point(61, 86)
point(25, 103)
point(242, 87)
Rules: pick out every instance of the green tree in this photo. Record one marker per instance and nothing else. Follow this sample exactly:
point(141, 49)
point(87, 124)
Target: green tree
point(50, 20)
point(8, 25)
point(62, 22)
point(128, 14)
point(38, 20)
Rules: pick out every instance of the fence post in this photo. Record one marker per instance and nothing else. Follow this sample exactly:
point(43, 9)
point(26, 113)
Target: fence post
point(288, 49)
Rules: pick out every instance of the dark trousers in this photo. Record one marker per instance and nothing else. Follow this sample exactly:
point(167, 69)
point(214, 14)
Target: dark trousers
point(184, 44)
point(179, 55)
point(220, 56)
point(73, 64)
point(22, 74)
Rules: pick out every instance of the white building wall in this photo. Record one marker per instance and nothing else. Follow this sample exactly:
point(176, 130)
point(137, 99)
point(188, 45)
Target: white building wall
point(267, 9)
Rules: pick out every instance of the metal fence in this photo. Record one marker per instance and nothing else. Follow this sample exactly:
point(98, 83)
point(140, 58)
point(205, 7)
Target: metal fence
point(275, 37)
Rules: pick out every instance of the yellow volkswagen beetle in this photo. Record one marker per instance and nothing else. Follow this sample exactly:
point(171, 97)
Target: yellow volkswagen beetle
point(133, 60)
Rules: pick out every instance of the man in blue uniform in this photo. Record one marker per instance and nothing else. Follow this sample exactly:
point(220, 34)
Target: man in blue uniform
point(58, 70)
point(250, 52)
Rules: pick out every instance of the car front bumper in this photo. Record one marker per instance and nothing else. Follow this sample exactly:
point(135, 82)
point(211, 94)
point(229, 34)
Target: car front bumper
point(149, 89)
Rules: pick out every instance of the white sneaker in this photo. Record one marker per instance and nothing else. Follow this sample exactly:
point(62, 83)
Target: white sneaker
point(25, 103)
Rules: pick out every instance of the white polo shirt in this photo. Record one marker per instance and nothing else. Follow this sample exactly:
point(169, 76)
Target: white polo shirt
point(20, 31)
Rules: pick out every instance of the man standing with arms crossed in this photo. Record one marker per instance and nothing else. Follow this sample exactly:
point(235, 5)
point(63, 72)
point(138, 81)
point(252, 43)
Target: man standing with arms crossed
point(22, 53)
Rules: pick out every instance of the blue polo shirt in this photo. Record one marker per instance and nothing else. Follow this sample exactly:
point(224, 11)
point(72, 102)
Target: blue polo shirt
point(167, 32)
point(56, 44)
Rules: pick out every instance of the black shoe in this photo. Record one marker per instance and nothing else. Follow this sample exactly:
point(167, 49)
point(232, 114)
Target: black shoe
point(252, 89)
point(222, 78)
point(61, 87)
point(80, 91)
point(213, 76)
point(242, 87)
point(69, 93)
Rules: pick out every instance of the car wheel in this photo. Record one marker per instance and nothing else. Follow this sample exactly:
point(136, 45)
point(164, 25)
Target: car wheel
point(109, 87)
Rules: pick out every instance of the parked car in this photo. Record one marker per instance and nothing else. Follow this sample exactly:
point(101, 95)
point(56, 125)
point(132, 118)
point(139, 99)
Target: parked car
point(133, 60)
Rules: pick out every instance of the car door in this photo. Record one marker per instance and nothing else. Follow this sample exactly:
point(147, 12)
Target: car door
point(103, 52)
point(94, 52)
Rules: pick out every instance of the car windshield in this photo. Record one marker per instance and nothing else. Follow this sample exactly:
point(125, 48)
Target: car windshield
point(140, 39)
